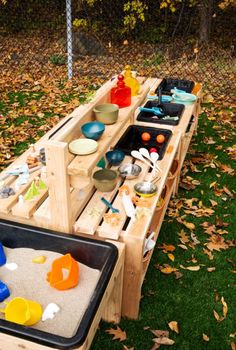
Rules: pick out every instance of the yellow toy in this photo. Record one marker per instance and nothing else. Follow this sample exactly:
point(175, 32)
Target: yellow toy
point(131, 81)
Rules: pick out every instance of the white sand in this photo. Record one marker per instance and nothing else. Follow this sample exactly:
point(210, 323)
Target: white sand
point(29, 281)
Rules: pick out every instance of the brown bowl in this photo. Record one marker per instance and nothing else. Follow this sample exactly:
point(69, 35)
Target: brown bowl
point(105, 180)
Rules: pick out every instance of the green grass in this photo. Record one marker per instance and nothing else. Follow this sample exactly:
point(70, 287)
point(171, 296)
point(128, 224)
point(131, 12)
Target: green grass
point(191, 299)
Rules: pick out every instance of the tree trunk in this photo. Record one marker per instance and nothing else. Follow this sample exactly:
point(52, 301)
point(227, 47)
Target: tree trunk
point(205, 17)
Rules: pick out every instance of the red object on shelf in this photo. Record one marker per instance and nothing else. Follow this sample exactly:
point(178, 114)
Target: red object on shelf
point(121, 94)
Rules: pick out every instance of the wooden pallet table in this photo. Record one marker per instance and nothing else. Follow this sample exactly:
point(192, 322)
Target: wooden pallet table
point(71, 204)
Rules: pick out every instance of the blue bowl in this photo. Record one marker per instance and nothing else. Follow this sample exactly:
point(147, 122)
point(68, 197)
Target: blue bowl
point(93, 130)
point(115, 157)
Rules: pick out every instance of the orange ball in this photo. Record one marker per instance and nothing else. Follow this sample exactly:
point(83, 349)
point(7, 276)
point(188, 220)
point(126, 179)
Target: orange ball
point(160, 138)
point(146, 136)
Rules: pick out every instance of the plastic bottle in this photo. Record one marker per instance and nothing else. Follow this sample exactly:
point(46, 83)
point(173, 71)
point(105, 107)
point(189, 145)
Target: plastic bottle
point(121, 94)
point(131, 81)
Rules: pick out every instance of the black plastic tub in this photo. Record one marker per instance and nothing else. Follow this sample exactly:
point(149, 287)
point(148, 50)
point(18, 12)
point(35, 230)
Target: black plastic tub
point(95, 254)
point(168, 84)
point(132, 139)
point(170, 109)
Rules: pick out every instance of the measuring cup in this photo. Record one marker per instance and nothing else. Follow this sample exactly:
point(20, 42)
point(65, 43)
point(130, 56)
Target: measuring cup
point(22, 311)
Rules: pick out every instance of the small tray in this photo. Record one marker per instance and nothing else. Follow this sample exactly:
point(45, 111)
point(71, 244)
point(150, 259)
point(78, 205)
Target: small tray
point(172, 109)
point(170, 83)
point(131, 139)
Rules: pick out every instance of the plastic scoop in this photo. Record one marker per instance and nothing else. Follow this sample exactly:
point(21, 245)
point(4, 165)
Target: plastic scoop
point(127, 202)
point(108, 204)
point(22, 311)
point(154, 110)
point(55, 276)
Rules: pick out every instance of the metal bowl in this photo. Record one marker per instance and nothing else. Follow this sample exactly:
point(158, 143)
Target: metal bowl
point(129, 170)
point(145, 189)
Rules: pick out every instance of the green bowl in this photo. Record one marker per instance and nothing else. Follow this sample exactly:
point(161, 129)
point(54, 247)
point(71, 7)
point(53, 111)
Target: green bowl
point(105, 180)
point(106, 113)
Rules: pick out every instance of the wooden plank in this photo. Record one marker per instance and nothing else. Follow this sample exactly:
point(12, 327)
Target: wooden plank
point(88, 223)
point(27, 208)
point(6, 204)
point(58, 186)
point(113, 231)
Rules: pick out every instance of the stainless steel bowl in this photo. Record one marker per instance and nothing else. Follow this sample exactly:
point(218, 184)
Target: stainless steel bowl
point(145, 189)
point(129, 170)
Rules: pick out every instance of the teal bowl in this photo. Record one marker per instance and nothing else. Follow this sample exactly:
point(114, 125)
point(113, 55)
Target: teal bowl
point(115, 157)
point(93, 130)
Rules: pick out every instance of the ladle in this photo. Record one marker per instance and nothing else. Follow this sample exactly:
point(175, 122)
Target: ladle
point(153, 156)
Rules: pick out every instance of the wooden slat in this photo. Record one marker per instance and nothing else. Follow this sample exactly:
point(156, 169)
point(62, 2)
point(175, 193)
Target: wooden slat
point(27, 208)
point(7, 203)
point(113, 231)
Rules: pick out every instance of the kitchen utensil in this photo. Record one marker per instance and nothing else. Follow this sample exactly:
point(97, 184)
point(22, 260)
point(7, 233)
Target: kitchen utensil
point(93, 130)
point(127, 202)
point(153, 158)
point(105, 180)
point(154, 110)
point(145, 189)
point(83, 146)
point(139, 156)
point(165, 98)
point(129, 171)
point(109, 205)
point(115, 157)
point(106, 113)
point(149, 243)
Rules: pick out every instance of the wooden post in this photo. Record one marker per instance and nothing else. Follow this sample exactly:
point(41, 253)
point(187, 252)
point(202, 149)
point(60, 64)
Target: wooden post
point(57, 158)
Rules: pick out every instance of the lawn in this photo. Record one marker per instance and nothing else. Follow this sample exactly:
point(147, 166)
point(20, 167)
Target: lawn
point(196, 245)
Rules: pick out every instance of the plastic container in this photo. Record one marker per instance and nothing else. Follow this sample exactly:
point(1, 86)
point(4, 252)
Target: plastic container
point(170, 83)
point(170, 109)
point(95, 254)
point(132, 140)
point(121, 94)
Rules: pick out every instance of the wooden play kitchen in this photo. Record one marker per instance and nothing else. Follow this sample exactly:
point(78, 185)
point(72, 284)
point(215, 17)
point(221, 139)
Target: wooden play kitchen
point(67, 201)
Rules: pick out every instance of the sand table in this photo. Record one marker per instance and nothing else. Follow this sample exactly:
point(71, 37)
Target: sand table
point(29, 281)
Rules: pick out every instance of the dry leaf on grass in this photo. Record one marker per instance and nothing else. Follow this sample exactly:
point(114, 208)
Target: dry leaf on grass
point(174, 326)
point(126, 348)
point(233, 345)
point(163, 341)
point(117, 333)
point(167, 270)
point(160, 333)
point(210, 269)
point(191, 268)
point(205, 337)
point(216, 242)
point(171, 257)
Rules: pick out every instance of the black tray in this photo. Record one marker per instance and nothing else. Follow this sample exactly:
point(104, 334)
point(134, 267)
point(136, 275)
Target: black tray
point(170, 83)
point(131, 139)
point(95, 254)
point(171, 109)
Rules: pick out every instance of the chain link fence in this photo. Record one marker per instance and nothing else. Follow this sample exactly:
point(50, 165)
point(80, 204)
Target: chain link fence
point(93, 40)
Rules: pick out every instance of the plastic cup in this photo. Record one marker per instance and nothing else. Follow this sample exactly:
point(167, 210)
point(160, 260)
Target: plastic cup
point(22, 311)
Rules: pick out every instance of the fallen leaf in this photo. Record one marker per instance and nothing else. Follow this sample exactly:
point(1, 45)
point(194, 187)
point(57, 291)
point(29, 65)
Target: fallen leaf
point(126, 348)
point(167, 247)
point(171, 257)
point(225, 307)
point(210, 269)
point(213, 184)
point(183, 246)
point(213, 203)
point(216, 315)
point(167, 270)
point(178, 275)
point(228, 192)
point(160, 333)
point(233, 345)
point(174, 326)
point(163, 341)
point(209, 253)
point(191, 268)
point(183, 237)
point(117, 333)
point(205, 337)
